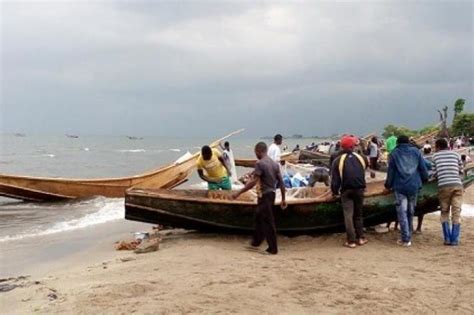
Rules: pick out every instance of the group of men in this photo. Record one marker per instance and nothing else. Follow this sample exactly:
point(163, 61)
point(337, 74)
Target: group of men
point(407, 171)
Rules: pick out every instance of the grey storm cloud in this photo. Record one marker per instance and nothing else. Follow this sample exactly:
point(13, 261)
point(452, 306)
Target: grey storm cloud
point(203, 68)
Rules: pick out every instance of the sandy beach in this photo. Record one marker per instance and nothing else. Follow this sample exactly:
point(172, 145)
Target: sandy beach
point(207, 273)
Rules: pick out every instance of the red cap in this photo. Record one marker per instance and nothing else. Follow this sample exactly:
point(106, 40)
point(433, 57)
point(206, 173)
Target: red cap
point(348, 142)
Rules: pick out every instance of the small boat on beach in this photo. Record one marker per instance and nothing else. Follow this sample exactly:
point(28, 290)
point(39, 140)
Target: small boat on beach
point(310, 210)
point(291, 157)
point(53, 189)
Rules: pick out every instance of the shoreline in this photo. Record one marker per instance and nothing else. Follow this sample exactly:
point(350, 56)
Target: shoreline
point(192, 272)
point(38, 256)
point(209, 273)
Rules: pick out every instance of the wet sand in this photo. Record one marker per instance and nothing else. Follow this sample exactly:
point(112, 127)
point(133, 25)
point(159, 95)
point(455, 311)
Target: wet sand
point(197, 273)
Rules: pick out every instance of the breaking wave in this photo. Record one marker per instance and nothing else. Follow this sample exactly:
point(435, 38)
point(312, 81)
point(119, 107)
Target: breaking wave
point(175, 150)
point(133, 151)
point(109, 210)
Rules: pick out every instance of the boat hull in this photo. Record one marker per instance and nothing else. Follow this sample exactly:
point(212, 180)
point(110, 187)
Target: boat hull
point(52, 189)
point(228, 217)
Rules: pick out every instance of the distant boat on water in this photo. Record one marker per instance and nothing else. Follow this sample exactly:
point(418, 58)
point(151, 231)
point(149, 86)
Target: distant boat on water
point(134, 138)
point(52, 189)
point(19, 135)
point(72, 136)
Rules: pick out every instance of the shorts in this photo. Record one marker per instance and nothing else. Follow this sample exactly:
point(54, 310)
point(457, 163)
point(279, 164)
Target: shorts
point(224, 184)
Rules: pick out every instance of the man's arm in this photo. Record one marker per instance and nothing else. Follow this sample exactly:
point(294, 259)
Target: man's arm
point(335, 177)
point(390, 173)
point(461, 165)
point(434, 168)
point(204, 177)
point(221, 159)
point(366, 160)
point(422, 169)
point(249, 185)
point(282, 189)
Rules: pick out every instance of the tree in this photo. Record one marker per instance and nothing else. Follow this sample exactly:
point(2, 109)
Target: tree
point(443, 117)
point(398, 131)
point(402, 130)
point(463, 124)
point(459, 106)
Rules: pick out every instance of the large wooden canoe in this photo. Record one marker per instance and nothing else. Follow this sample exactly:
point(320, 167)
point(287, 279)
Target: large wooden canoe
point(287, 156)
point(52, 189)
point(310, 210)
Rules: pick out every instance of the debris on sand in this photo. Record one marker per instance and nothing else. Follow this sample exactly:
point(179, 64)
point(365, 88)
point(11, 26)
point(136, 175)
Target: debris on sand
point(5, 287)
point(143, 242)
point(147, 246)
point(8, 284)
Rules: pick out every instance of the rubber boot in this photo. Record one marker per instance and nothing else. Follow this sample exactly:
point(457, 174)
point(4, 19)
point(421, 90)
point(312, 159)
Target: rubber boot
point(455, 234)
point(446, 233)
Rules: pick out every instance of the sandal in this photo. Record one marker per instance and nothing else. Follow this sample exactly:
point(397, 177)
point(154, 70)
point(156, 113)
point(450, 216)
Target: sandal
point(350, 245)
point(362, 241)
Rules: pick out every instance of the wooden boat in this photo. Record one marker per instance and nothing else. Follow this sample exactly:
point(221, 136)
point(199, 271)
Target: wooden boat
point(314, 157)
point(421, 140)
point(53, 189)
point(287, 156)
point(309, 210)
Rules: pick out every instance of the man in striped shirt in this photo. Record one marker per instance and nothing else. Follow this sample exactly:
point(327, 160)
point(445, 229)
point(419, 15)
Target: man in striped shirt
point(448, 168)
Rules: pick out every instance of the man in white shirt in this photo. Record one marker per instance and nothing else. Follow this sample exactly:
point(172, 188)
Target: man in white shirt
point(229, 158)
point(458, 143)
point(274, 151)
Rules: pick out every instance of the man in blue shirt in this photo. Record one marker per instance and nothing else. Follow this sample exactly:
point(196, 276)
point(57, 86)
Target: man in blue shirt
point(406, 173)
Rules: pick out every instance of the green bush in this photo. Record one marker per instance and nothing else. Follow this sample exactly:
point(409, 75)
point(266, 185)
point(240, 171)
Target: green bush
point(463, 124)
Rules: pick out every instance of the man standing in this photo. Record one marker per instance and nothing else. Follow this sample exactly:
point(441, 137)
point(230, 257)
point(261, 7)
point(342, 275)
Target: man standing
point(267, 177)
point(228, 156)
point(348, 179)
point(217, 172)
point(448, 168)
point(406, 172)
point(391, 143)
point(374, 153)
point(274, 151)
point(427, 148)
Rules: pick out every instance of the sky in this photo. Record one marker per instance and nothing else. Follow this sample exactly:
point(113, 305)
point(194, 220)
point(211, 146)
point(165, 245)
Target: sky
point(204, 68)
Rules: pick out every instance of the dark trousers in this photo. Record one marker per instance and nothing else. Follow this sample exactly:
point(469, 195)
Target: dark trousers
point(265, 223)
point(374, 164)
point(352, 203)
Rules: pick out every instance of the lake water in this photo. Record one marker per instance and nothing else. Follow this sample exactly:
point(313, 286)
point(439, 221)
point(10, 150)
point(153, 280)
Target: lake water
point(88, 157)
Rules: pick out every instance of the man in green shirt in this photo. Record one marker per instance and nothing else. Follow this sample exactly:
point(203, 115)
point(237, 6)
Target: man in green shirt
point(391, 143)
